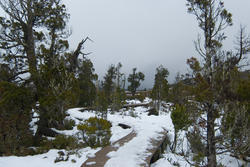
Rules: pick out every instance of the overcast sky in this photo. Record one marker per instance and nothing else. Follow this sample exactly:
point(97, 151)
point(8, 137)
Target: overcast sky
point(143, 33)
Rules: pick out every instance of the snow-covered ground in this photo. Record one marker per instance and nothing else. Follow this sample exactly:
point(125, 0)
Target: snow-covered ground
point(131, 154)
point(134, 152)
point(47, 159)
point(145, 127)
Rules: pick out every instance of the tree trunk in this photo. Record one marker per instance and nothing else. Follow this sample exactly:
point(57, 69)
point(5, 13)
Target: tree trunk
point(175, 141)
point(211, 150)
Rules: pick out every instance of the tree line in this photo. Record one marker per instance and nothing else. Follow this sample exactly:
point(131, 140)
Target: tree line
point(39, 74)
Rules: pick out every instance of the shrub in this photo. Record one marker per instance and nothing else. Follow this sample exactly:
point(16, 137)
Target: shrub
point(65, 142)
point(180, 119)
point(196, 145)
point(95, 132)
point(60, 142)
point(69, 124)
point(101, 104)
point(15, 115)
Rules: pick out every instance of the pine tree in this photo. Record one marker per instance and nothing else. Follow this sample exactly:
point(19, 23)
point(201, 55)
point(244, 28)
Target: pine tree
point(214, 77)
point(160, 88)
point(101, 104)
point(113, 86)
point(118, 95)
point(16, 104)
point(135, 78)
point(109, 83)
point(86, 84)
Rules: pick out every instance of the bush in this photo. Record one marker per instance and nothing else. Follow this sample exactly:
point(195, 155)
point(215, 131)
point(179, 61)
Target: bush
point(65, 142)
point(197, 146)
point(101, 104)
point(15, 115)
point(60, 142)
point(95, 132)
point(69, 124)
point(180, 117)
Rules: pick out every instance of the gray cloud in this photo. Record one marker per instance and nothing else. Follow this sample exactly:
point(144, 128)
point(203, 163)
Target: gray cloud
point(143, 33)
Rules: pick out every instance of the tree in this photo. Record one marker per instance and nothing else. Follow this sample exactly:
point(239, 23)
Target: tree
point(118, 95)
point(178, 93)
point(33, 42)
point(16, 104)
point(113, 86)
point(86, 84)
point(135, 79)
point(101, 104)
point(58, 92)
point(236, 122)
point(160, 89)
point(109, 84)
point(180, 119)
point(216, 73)
point(6, 74)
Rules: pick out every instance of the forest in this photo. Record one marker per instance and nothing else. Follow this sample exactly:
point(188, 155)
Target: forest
point(47, 89)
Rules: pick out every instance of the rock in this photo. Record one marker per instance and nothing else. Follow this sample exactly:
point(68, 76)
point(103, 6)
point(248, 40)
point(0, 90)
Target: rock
point(124, 126)
point(153, 111)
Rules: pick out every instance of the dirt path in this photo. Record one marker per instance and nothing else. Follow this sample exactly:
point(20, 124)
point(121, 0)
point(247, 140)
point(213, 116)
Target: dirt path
point(101, 156)
point(157, 147)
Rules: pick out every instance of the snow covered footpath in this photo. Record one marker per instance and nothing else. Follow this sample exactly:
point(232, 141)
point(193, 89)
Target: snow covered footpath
point(134, 152)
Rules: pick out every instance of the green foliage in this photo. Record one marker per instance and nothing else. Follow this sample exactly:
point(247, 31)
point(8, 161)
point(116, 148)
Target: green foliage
point(179, 91)
point(140, 96)
point(95, 132)
point(109, 85)
point(43, 53)
point(243, 90)
point(196, 145)
point(153, 111)
point(212, 76)
point(101, 104)
point(86, 84)
point(181, 121)
point(161, 87)
point(16, 103)
point(113, 87)
point(68, 124)
point(6, 74)
point(59, 142)
point(180, 117)
point(65, 142)
point(198, 158)
point(235, 128)
point(205, 19)
point(59, 91)
point(118, 98)
point(135, 78)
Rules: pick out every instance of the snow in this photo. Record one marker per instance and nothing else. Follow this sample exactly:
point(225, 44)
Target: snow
point(90, 163)
point(118, 133)
point(135, 151)
point(132, 153)
point(33, 126)
point(46, 159)
point(170, 160)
